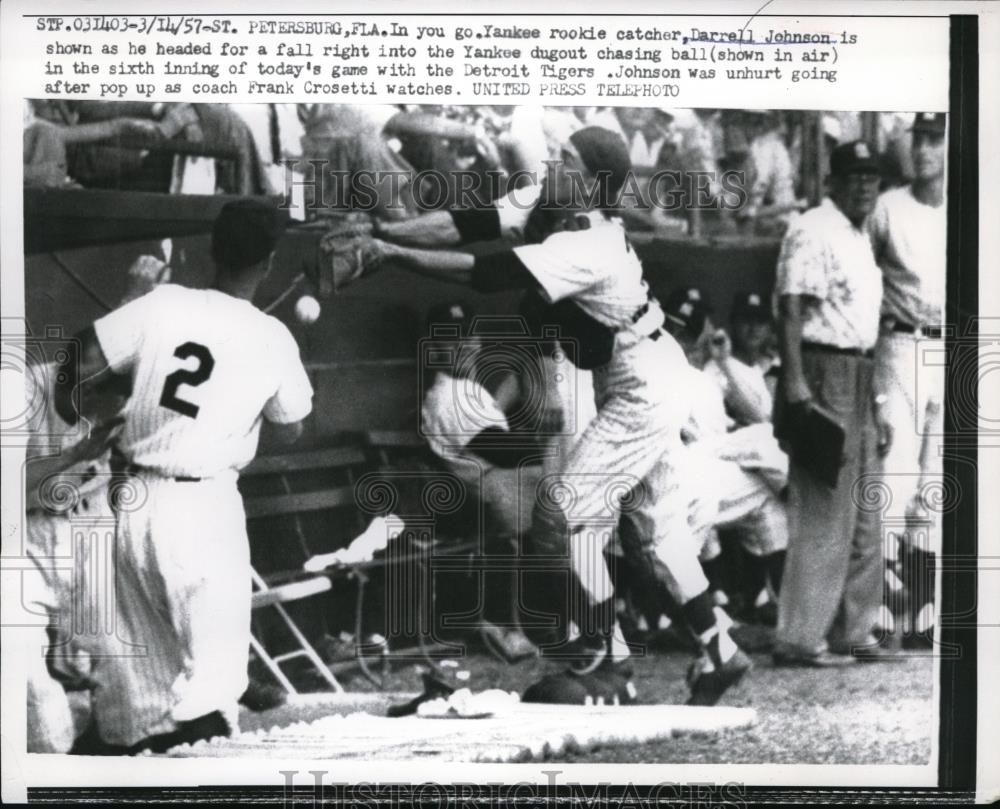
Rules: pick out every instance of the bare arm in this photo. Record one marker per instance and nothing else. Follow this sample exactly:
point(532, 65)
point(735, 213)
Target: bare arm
point(422, 123)
point(794, 386)
point(443, 265)
point(747, 405)
point(434, 229)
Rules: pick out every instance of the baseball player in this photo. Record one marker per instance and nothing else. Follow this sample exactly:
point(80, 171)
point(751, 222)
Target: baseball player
point(577, 260)
point(733, 476)
point(908, 230)
point(66, 486)
point(62, 489)
point(206, 368)
point(465, 424)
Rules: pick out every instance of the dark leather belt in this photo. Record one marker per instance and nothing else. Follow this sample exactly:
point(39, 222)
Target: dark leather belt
point(640, 312)
point(930, 332)
point(132, 469)
point(849, 352)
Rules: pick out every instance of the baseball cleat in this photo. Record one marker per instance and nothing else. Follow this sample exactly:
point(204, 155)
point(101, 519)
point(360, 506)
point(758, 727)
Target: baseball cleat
point(606, 685)
point(708, 685)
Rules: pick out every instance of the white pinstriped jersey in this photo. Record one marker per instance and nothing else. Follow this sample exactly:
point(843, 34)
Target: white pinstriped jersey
point(206, 367)
point(599, 270)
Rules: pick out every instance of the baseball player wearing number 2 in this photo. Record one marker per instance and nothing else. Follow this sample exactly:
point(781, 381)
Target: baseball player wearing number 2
point(206, 368)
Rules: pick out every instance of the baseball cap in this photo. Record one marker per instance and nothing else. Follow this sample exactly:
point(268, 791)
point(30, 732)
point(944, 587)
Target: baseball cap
point(245, 233)
point(856, 157)
point(933, 123)
point(600, 150)
point(750, 306)
point(687, 308)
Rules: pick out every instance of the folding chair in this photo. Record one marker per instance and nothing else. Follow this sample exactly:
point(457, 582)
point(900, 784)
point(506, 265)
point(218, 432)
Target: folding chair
point(295, 585)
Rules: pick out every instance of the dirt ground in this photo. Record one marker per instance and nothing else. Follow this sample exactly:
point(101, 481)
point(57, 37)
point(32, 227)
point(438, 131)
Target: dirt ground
point(869, 713)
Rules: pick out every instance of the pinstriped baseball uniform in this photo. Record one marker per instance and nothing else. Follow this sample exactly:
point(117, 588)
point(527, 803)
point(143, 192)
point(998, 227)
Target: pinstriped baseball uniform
point(206, 368)
point(639, 398)
point(55, 587)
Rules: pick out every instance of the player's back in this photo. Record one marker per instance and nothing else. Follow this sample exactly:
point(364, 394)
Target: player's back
point(204, 367)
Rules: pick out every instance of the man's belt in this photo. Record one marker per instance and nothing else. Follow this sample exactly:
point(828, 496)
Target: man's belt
point(827, 349)
point(640, 312)
point(930, 332)
point(132, 469)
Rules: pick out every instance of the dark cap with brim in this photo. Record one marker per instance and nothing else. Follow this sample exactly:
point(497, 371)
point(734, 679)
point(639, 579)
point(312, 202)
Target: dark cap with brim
point(686, 309)
point(750, 306)
point(856, 157)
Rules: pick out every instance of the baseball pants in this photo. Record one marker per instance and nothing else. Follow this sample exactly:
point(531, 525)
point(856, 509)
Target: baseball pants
point(182, 609)
point(60, 591)
point(832, 585)
point(910, 372)
point(633, 439)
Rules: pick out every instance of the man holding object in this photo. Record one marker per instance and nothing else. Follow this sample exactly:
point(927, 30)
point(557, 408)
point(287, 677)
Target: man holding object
point(828, 293)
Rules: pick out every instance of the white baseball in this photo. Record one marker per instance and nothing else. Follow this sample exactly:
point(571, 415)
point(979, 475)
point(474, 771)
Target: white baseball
point(307, 309)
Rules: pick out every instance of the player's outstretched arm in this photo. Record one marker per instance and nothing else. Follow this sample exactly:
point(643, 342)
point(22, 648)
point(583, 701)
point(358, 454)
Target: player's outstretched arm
point(434, 229)
point(443, 265)
point(491, 268)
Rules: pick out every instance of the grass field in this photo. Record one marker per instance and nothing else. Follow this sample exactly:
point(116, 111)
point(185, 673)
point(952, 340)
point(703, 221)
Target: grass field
point(872, 713)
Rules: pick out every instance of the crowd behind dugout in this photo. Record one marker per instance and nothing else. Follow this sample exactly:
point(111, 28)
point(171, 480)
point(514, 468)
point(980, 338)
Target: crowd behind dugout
point(244, 149)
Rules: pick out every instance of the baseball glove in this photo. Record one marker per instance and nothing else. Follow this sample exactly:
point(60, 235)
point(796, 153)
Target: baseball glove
point(344, 259)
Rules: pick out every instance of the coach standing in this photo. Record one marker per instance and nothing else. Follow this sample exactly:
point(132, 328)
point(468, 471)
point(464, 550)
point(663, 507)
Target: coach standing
point(828, 293)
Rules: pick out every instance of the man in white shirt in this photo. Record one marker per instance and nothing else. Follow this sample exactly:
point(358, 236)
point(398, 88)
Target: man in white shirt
point(908, 230)
point(205, 369)
point(828, 292)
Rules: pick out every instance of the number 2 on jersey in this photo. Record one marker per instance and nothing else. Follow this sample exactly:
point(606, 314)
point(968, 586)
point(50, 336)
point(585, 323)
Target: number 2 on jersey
point(193, 377)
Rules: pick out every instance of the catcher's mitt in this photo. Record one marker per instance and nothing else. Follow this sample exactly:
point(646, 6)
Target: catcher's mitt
point(343, 260)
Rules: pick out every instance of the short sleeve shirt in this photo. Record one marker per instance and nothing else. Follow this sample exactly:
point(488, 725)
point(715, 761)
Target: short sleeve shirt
point(829, 262)
point(909, 240)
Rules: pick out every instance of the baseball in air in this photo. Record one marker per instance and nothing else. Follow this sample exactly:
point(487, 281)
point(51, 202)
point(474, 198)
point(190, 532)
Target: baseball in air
point(307, 309)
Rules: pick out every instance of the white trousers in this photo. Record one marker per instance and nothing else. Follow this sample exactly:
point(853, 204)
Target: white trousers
point(910, 372)
point(181, 613)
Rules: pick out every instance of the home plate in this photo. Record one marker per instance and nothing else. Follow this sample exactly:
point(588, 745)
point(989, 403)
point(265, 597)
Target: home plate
point(347, 726)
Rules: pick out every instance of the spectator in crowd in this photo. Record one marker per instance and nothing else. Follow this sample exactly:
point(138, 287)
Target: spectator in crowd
point(828, 293)
point(771, 178)
point(356, 138)
point(465, 424)
point(908, 231)
point(55, 136)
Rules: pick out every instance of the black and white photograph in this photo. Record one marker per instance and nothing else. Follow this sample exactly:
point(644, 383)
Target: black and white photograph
point(477, 433)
